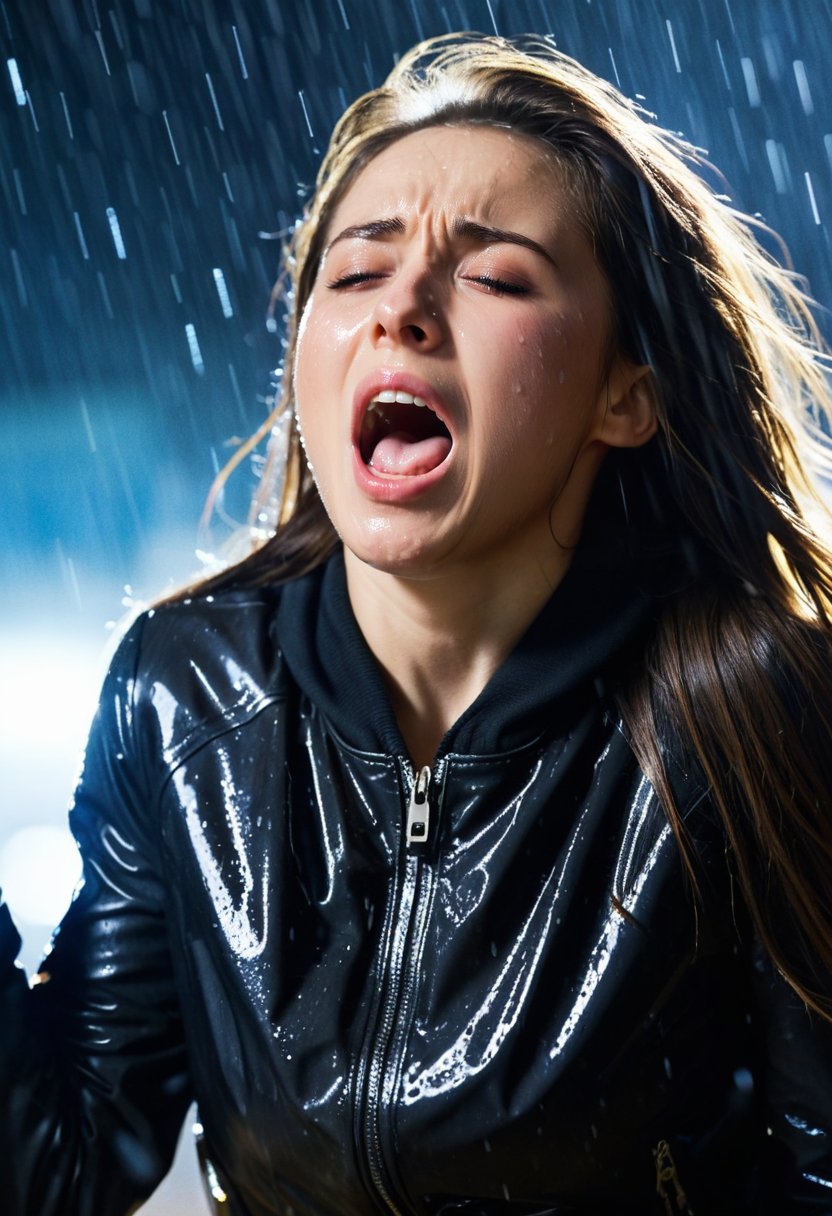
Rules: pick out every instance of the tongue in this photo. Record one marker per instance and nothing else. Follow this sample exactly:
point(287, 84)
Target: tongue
point(401, 455)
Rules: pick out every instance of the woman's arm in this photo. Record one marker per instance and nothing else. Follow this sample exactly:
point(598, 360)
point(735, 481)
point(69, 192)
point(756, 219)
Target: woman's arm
point(93, 1078)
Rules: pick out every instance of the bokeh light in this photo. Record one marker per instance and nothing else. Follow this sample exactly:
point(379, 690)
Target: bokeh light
point(39, 868)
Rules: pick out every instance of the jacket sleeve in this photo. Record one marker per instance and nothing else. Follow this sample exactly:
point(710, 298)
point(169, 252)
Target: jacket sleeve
point(797, 1045)
point(93, 1080)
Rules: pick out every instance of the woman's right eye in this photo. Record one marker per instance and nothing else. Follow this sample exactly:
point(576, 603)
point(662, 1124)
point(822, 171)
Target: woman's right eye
point(354, 279)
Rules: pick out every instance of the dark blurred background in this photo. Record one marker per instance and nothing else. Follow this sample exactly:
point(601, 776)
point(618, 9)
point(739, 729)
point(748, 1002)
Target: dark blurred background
point(145, 148)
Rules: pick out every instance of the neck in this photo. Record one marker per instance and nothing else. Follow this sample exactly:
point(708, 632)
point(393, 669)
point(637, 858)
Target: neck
point(439, 640)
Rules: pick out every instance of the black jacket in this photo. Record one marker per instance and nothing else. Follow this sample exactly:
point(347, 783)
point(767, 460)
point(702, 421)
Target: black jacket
point(519, 1011)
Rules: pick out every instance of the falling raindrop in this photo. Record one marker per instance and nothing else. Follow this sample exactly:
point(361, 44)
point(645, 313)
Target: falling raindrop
point(803, 86)
point(115, 230)
point(170, 136)
point(214, 102)
point(17, 83)
point(222, 292)
point(193, 347)
point(81, 238)
point(243, 68)
point(810, 190)
point(305, 113)
point(751, 86)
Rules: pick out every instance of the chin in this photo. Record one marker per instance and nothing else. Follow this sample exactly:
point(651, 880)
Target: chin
point(394, 551)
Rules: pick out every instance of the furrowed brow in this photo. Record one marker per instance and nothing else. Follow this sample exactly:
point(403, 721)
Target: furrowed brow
point(375, 230)
point(483, 234)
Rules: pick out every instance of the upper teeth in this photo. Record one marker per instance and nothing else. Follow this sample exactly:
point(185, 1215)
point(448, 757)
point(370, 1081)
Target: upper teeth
point(388, 396)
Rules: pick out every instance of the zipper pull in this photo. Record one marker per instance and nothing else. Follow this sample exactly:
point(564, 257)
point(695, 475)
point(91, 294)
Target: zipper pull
point(418, 810)
point(666, 1172)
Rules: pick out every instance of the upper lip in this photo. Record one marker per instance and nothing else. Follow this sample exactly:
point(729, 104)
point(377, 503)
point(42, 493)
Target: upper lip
point(392, 378)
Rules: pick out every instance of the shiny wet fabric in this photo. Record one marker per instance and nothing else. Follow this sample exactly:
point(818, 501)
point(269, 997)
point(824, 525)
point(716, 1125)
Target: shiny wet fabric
point(522, 1014)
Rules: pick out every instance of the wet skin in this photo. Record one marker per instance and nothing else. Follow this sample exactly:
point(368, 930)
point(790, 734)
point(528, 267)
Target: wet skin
point(512, 341)
point(457, 271)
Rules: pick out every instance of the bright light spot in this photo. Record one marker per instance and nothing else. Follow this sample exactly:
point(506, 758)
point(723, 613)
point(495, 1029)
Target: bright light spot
point(17, 83)
point(50, 689)
point(39, 869)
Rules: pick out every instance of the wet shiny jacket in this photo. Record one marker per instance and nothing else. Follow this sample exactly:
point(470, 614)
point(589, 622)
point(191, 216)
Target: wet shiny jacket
point(480, 989)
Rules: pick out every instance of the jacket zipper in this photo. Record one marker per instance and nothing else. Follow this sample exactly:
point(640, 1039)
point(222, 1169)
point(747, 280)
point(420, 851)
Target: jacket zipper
point(418, 810)
point(397, 984)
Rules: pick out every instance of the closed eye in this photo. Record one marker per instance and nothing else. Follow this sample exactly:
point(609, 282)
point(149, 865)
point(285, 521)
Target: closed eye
point(498, 286)
point(352, 280)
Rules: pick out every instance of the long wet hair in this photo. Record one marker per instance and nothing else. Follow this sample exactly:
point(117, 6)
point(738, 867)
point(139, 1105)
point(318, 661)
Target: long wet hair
point(737, 670)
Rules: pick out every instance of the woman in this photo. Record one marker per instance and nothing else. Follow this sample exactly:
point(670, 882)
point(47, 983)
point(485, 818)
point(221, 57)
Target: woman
point(465, 848)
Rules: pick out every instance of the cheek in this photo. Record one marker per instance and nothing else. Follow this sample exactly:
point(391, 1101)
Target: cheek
point(312, 362)
point(559, 360)
point(307, 386)
point(530, 363)
point(548, 379)
point(324, 342)
point(304, 357)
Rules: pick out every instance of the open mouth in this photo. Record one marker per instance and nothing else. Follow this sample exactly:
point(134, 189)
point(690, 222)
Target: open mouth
point(401, 436)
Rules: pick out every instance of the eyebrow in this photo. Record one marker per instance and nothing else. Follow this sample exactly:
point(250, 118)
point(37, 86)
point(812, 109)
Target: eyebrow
point(373, 231)
point(485, 235)
point(482, 234)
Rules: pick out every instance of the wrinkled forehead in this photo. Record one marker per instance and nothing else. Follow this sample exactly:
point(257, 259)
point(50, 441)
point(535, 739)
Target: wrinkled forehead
point(493, 173)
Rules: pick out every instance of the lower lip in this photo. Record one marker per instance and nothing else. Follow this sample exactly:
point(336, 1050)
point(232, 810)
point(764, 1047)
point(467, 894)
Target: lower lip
point(384, 488)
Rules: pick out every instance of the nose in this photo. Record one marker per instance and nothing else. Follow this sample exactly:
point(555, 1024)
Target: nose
point(407, 311)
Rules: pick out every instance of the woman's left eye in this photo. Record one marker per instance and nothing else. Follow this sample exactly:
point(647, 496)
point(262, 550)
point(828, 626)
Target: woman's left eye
point(499, 287)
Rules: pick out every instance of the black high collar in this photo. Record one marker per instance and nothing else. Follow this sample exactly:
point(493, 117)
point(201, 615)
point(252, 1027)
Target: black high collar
point(562, 655)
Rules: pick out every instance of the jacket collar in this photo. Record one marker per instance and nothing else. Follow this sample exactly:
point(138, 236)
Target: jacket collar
point(555, 668)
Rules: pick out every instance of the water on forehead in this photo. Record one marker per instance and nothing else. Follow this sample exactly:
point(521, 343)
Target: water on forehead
point(486, 172)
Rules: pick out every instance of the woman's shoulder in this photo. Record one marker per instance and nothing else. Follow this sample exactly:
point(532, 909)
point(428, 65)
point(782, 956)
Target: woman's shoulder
point(202, 659)
point(227, 616)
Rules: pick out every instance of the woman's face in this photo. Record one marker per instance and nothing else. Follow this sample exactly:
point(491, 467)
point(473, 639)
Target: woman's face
point(451, 370)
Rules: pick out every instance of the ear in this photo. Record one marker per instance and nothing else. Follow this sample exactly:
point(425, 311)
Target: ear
point(629, 406)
